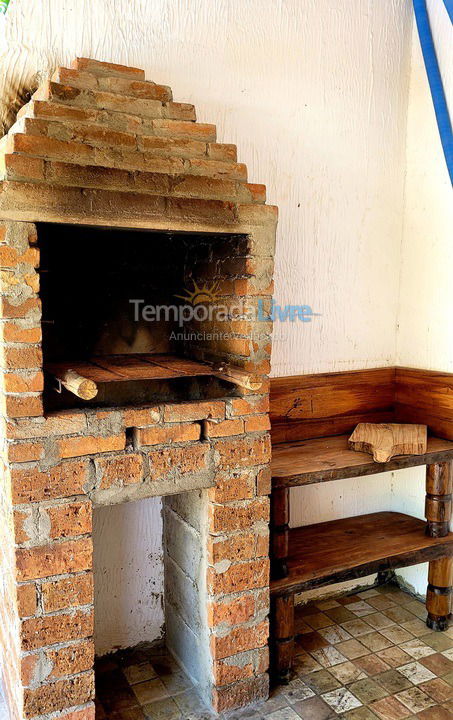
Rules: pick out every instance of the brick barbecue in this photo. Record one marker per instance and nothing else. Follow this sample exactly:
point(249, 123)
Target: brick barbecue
point(100, 150)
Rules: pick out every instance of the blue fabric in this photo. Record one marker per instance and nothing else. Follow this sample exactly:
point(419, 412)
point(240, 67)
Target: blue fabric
point(435, 79)
point(449, 5)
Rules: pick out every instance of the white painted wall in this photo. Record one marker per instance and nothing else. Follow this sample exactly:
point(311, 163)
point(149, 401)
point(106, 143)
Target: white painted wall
point(128, 565)
point(315, 94)
point(425, 324)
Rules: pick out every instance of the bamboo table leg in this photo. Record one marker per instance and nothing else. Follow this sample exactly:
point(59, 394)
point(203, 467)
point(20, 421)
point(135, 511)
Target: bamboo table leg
point(279, 532)
point(282, 637)
point(438, 509)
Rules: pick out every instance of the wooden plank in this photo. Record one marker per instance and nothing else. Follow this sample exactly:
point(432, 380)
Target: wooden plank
point(307, 406)
point(385, 440)
point(355, 547)
point(325, 459)
point(133, 367)
point(183, 366)
point(425, 396)
point(86, 369)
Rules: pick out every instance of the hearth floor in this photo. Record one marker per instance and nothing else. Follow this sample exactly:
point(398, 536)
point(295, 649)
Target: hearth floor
point(367, 656)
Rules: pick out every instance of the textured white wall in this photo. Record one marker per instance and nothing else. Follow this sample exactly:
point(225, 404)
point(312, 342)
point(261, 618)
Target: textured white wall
point(128, 565)
point(314, 93)
point(425, 325)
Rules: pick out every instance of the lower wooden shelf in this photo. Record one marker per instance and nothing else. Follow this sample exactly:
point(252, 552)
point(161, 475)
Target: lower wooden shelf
point(355, 547)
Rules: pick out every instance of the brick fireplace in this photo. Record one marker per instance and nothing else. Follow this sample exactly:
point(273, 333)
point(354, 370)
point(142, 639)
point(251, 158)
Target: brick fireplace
point(111, 191)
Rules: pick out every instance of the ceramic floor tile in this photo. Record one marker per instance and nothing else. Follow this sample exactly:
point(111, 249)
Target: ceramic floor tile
point(415, 700)
point(390, 708)
point(334, 634)
point(314, 709)
point(340, 614)
point(416, 627)
point(149, 691)
point(372, 592)
point(379, 621)
point(341, 700)
point(166, 709)
point(435, 713)
point(416, 673)
point(318, 621)
point(304, 663)
point(322, 681)
point(438, 690)
point(347, 672)
point(311, 641)
point(361, 713)
point(394, 656)
point(367, 690)
point(417, 608)
point(382, 602)
point(393, 681)
point(448, 654)
point(372, 664)
point(438, 664)
point(348, 599)
point(398, 614)
point(297, 689)
point(357, 627)
point(139, 673)
point(417, 649)
point(352, 649)
point(396, 634)
point(361, 608)
point(329, 656)
point(438, 641)
point(375, 641)
point(327, 604)
point(284, 714)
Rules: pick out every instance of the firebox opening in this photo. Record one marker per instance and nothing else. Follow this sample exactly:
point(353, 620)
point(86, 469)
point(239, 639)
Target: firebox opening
point(133, 315)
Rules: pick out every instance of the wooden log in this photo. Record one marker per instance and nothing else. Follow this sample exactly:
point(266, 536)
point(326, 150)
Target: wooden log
point(438, 505)
point(282, 637)
point(237, 376)
point(438, 595)
point(385, 440)
point(279, 533)
point(77, 384)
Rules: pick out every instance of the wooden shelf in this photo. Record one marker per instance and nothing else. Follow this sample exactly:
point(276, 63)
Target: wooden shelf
point(329, 458)
point(355, 547)
point(124, 368)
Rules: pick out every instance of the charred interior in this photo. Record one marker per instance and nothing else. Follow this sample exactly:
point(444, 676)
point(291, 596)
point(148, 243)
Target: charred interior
point(113, 298)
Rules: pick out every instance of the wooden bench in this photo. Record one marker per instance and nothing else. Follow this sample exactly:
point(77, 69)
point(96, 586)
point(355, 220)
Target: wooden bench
point(318, 555)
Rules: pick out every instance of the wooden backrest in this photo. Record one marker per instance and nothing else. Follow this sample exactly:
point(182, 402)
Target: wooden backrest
point(309, 406)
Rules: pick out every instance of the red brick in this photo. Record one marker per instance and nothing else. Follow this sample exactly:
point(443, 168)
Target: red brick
point(14, 332)
point(239, 640)
point(90, 445)
point(184, 460)
point(229, 518)
point(226, 672)
point(119, 469)
point(20, 533)
point(67, 593)
point(232, 485)
point(141, 417)
point(181, 432)
point(88, 713)
point(213, 409)
point(243, 452)
point(8, 310)
point(224, 428)
point(26, 599)
point(22, 167)
point(239, 547)
point(257, 423)
point(249, 405)
point(70, 519)
point(71, 660)
point(59, 695)
point(51, 629)
point(186, 130)
point(222, 151)
point(235, 612)
point(22, 406)
point(25, 452)
point(28, 667)
point(264, 481)
point(47, 147)
point(26, 357)
point(64, 422)
point(27, 382)
point(65, 557)
point(248, 575)
point(240, 694)
point(105, 68)
point(10, 257)
point(63, 480)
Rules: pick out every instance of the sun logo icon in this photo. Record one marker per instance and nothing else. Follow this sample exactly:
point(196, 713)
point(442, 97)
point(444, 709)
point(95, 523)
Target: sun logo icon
point(203, 294)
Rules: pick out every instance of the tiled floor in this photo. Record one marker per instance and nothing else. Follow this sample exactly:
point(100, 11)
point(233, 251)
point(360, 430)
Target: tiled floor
point(368, 656)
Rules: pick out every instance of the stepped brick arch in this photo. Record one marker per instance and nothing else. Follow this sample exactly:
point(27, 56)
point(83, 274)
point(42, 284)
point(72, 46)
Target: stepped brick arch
point(98, 145)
